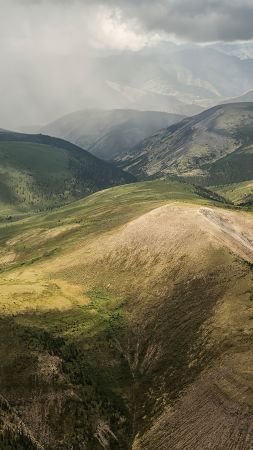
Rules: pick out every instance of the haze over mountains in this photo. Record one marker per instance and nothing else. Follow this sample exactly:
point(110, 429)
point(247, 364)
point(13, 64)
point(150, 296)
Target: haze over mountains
point(108, 133)
point(168, 77)
point(178, 80)
point(247, 97)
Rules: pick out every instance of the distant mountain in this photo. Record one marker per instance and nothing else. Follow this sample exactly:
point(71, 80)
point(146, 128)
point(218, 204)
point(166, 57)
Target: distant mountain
point(247, 97)
point(28, 129)
point(38, 172)
point(214, 147)
point(109, 133)
point(243, 50)
point(182, 79)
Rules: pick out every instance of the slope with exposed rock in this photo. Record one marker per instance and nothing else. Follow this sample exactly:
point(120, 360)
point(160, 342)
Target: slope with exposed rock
point(214, 147)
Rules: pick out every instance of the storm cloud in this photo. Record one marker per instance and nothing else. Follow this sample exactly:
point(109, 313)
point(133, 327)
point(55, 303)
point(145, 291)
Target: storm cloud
point(49, 48)
point(194, 20)
point(191, 20)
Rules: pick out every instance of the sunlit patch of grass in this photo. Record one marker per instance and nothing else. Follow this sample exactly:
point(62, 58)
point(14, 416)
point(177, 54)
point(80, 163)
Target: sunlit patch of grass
point(100, 212)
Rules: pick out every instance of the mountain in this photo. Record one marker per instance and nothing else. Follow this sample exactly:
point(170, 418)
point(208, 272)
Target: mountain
point(107, 134)
point(181, 79)
point(39, 172)
point(126, 323)
point(247, 97)
point(243, 50)
point(212, 148)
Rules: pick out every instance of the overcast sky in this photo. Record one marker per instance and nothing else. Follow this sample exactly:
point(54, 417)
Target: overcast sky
point(47, 46)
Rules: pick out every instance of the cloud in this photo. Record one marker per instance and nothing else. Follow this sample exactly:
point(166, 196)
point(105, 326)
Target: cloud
point(49, 48)
point(192, 20)
point(132, 24)
point(47, 53)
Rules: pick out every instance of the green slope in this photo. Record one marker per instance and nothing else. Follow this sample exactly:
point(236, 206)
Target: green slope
point(112, 309)
point(214, 147)
point(39, 172)
point(238, 193)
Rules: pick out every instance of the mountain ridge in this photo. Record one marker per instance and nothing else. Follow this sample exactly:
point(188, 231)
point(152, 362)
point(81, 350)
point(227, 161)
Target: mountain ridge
point(39, 171)
point(206, 148)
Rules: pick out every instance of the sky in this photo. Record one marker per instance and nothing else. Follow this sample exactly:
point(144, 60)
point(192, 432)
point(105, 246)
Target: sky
point(48, 47)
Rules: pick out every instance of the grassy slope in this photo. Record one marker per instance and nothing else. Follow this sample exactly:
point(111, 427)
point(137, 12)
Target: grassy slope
point(100, 326)
point(103, 210)
point(207, 149)
point(39, 172)
point(238, 193)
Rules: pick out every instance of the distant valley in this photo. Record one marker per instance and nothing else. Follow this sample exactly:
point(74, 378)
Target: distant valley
point(109, 133)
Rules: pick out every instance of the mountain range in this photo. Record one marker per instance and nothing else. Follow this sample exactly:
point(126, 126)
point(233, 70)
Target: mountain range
point(179, 79)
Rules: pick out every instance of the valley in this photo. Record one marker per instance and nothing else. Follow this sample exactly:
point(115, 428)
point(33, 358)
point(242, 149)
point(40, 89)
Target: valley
point(109, 133)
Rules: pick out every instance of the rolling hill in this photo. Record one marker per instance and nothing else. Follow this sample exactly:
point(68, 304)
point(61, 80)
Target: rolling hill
point(109, 133)
point(39, 172)
point(126, 323)
point(212, 148)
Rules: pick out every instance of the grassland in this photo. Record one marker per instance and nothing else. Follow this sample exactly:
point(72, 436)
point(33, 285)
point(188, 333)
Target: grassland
point(238, 193)
point(114, 308)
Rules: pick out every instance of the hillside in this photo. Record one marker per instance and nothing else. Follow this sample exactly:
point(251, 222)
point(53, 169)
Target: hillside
point(212, 148)
point(109, 133)
point(238, 193)
point(39, 172)
point(126, 323)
